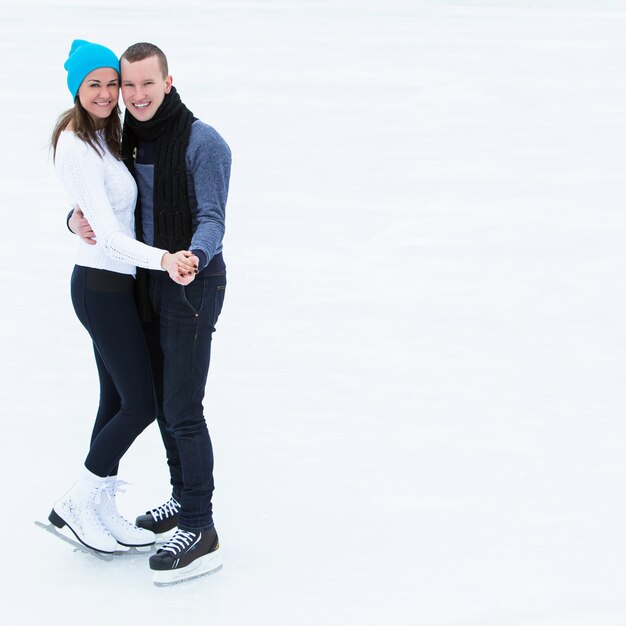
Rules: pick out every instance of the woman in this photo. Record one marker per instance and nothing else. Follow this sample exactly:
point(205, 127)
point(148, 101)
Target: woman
point(86, 144)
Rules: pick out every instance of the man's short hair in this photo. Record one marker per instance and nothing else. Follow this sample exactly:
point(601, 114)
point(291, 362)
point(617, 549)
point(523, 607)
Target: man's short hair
point(143, 50)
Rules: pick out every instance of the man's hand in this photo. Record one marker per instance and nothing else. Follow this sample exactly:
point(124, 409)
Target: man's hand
point(181, 266)
point(80, 226)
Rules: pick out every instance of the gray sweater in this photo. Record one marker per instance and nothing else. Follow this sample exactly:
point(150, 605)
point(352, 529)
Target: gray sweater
point(208, 173)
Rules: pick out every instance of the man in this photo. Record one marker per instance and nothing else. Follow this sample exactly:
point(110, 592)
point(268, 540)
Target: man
point(182, 169)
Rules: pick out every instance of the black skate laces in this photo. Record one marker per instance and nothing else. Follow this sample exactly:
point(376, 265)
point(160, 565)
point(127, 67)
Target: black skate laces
point(169, 509)
point(182, 540)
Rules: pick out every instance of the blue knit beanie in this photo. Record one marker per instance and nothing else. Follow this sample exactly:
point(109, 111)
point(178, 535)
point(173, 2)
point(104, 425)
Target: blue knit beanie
point(84, 58)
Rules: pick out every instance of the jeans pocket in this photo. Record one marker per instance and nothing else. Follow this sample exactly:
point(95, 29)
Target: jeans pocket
point(193, 295)
point(220, 292)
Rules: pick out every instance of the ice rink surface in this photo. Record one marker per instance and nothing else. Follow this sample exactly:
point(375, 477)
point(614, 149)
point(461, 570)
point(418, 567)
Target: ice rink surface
point(417, 389)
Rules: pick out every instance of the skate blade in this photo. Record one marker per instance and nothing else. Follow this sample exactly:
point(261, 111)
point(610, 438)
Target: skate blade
point(78, 547)
point(204, 566)
point(143, 549)
point(123, 550)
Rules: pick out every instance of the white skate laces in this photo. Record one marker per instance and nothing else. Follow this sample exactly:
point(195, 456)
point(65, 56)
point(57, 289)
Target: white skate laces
point(182, 540)
point(112, 488)
point(85, 517)
point(116, 486)
point(77, 510)
point(169, 509)
point(123, 530)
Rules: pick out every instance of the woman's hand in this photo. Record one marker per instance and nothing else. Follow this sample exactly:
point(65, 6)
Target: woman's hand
point(182, 266)
point(79, 225)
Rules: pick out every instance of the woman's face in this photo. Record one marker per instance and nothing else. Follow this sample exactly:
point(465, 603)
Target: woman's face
point(98, 94)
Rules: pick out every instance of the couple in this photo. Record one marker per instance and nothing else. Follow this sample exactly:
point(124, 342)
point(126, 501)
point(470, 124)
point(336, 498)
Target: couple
point(163, 176)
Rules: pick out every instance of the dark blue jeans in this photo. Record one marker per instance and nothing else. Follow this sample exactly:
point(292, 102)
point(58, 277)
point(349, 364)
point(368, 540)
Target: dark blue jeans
point(179, 342)
point(105, 305)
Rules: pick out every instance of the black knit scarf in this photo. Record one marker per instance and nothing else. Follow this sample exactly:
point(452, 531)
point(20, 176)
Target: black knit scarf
point(170, 128)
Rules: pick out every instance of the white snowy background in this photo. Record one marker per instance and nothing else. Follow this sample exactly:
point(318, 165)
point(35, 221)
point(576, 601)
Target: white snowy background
point(417, 387)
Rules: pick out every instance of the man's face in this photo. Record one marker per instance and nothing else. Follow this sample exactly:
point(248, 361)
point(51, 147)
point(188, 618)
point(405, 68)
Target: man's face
point(144, 87)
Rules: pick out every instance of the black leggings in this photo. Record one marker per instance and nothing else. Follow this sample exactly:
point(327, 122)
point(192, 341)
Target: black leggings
point(105, 305)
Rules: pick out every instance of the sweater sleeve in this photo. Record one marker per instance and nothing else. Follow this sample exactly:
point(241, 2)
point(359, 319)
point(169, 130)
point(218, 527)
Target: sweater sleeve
point(81, 171)
point(209, 161)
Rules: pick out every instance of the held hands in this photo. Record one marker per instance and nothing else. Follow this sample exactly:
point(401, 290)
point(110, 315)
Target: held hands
point(79, 225)
point(182, 266)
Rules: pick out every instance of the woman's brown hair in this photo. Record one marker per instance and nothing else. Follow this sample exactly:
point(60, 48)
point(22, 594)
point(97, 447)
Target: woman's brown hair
point(84, 128)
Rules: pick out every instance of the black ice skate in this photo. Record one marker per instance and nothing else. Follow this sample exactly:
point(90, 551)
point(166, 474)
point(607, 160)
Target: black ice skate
point(162, 519)
point(187, 555)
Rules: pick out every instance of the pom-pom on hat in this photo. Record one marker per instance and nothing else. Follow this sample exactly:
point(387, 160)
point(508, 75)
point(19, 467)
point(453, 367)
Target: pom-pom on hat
point(84, 58)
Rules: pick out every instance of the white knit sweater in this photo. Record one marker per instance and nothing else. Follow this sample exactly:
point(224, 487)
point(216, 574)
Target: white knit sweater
point(106, 193)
